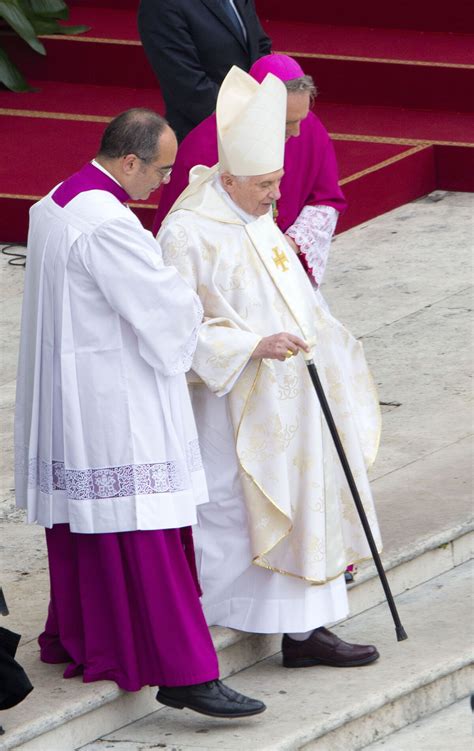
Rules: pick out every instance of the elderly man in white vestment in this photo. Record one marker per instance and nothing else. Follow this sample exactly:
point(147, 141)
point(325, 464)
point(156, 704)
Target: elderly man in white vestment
point(107, 454)
point(273, 543)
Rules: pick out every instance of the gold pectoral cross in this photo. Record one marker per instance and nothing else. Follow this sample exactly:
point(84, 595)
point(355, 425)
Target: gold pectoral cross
point(279, 259)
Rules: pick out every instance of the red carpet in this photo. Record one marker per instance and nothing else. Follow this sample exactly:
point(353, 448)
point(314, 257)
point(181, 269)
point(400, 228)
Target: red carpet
point(80, 99)
point(395, 45)
point(304, 37)
point(350, 64)
point(34, 141)
point(412, 125)
point(395, 94)
point(424, 15)
point(398, 182)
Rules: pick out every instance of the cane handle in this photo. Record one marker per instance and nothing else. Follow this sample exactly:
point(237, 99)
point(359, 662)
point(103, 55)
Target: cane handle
point(308, 356)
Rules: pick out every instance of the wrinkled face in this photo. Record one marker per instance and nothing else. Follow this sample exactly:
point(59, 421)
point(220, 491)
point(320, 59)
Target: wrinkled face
point(142, 178)
point(255, 195)
point(297, 108)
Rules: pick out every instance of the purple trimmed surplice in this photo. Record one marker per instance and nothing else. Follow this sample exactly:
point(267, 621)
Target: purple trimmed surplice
point(89, 177)
point(125, 607)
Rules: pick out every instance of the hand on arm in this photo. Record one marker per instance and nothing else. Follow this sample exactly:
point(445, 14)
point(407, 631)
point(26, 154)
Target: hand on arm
point(224, 348)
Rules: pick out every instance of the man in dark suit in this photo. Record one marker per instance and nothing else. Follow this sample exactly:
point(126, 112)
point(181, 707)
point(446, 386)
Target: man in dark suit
point(191, 45)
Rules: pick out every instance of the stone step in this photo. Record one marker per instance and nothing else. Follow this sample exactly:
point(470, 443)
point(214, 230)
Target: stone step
point(82, 712)
point(450, 727)
point(323, 709)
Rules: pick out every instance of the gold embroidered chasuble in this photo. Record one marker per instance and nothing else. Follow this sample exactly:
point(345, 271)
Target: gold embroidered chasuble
point(302, 518)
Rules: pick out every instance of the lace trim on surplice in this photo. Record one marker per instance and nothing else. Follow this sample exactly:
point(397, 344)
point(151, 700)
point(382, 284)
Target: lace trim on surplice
point(312, 232)
point(111, 482)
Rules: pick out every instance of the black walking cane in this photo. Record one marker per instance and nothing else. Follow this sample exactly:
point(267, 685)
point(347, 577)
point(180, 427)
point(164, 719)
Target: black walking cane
point(400, 631)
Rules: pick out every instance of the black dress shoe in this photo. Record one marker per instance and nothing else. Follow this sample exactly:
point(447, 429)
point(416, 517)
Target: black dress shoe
point(325, 648)
point(212, 698)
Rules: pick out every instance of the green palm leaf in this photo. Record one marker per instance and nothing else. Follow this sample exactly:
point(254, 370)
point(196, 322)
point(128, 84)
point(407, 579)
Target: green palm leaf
point(48, 8)
point(10, 76)
point(14, 15)
point(51, 26)
point(28, 18)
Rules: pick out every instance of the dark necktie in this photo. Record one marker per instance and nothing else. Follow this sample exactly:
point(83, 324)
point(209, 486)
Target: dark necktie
point(228, 9)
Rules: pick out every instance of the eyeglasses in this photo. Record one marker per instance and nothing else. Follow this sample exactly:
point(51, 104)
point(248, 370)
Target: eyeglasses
point(164, 172)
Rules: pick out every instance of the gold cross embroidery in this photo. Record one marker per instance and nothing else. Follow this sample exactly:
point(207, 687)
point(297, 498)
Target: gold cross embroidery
point(280, 259)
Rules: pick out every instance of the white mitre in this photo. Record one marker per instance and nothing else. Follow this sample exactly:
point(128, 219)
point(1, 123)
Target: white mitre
point(251, 124)
point(251, 120)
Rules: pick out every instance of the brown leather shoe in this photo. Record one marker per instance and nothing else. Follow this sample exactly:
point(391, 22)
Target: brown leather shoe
point(325, 648)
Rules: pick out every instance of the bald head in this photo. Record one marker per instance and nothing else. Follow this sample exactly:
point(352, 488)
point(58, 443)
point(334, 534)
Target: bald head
point(139, 149)
point(136, 131)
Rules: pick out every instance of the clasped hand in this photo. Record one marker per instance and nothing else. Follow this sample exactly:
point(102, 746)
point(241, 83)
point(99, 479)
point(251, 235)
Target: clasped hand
point(279, 346)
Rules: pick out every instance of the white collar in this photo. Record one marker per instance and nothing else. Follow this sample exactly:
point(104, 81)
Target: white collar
point(106, 172)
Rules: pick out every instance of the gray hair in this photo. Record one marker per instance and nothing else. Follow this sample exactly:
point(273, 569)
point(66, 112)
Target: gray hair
point(239, 178)
point(242, 178)
point(303, 84)
point(135, 131)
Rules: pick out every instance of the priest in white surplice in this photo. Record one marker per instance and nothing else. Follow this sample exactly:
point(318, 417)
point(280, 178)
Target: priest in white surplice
point(273, 543)
point(107, 454)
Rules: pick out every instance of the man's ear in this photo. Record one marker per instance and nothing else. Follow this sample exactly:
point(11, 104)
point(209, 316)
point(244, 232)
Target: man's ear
point(129, 163)
point(227, 179)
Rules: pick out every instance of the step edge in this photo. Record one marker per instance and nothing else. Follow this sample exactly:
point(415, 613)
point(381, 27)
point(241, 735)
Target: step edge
point(429, 675)
point(293, 53)
point(415, 550)
point(350, 724)
point(433, 672)
point(228, 637)
point(391, 697)
point(371, 138)
point(35, 729)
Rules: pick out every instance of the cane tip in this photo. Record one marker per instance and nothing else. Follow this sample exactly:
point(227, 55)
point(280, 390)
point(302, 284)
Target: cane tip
point(401, 633)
